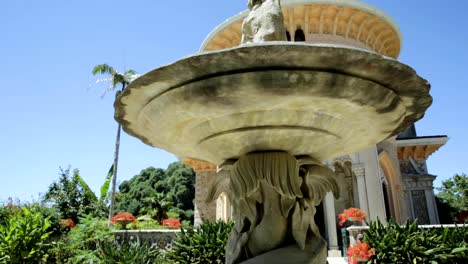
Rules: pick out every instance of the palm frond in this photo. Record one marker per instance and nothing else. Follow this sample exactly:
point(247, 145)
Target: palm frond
point(85, 186)
point(117, 78)
point(103, 69)
point(130, 77)
point(130, 72)
point(105, 186)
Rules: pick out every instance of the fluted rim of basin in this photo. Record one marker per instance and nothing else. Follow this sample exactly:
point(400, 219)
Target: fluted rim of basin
point(400, 79)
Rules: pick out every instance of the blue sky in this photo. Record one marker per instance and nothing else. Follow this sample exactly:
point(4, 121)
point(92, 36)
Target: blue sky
point(53, 114)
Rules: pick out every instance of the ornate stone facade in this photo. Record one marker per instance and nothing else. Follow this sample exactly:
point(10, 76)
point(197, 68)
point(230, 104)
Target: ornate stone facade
point(162, 239)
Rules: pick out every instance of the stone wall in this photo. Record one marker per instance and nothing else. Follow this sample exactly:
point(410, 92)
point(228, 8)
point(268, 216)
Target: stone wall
point(203, 210)
point(163, 239)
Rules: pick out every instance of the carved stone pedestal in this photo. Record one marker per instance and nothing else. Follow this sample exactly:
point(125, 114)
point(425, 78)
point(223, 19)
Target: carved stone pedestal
point(274, 196)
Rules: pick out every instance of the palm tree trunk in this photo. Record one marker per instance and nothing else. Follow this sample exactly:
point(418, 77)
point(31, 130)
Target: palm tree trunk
point(114, 177)
point(116, 163)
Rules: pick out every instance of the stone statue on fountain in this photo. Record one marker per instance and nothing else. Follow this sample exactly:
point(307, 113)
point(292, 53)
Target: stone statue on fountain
point(264, 22)
point(274, 196)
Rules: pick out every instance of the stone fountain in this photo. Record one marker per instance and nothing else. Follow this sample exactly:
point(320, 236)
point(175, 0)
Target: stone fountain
point(268, 113)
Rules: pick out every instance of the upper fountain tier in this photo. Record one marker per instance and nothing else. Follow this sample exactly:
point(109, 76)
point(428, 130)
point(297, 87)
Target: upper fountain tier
point(305, 99)
point(344, 22)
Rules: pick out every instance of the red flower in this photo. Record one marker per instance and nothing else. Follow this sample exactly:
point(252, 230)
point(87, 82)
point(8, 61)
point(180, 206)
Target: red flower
point(67, 223)
point(172, 223)
point(123, 216)
point(360, 252)
point(463, 217)
point(351, 214)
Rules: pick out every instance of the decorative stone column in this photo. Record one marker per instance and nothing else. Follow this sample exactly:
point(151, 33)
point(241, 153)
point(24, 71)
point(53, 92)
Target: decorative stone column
point(205, 175)
point(359, 171)
point(330, 219)
point(372, 182)
point(431, 207)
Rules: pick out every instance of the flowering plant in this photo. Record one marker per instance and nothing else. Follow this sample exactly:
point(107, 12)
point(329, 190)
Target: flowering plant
point(8, 209)
point(124, 218)
point(463, 217)
point(360, 252)
point(351, 214)
point(67, 223)
point(172, 223)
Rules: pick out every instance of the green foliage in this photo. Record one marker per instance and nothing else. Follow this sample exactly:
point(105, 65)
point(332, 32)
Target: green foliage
point(7, 209)
point(205, 244)
point(156, 206)
point(23, 237)
point(149, 224)
point(116, 77)
point(72, 196)
point(82, 242)
point(127, 253)
point(409, 244)
point(454, 193)
point(156, 192)
point(105, 186)
point(447, 213)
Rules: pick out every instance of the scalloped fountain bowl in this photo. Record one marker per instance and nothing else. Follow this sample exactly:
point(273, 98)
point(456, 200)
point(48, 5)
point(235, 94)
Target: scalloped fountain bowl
point(315, 100)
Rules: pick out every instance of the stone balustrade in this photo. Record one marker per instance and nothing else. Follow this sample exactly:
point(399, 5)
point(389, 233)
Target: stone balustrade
point(161, 238)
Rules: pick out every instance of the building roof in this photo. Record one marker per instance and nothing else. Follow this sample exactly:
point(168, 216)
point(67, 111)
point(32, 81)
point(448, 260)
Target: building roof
point(419, 148)
point(345, 22)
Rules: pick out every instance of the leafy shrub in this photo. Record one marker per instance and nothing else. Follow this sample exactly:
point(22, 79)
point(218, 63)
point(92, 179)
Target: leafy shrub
point(82, 242)
point(205, 244)
point(23, 237)
point(72, 197)
point(409, 244)
point(127, 253)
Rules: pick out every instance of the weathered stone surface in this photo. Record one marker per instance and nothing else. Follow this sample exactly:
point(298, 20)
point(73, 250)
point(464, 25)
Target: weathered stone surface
point(264, 22)
point(293, 255)
point(204, 211)
point(274, 196)
point(162, 239)
point(321, 101)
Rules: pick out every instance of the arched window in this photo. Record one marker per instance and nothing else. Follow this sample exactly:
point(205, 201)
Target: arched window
point(388, 210)
point(288, 36)
point(299, 35)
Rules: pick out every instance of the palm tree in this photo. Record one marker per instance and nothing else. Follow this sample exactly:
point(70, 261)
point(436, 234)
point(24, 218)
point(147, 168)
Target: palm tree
point(156, 206)
point(115, 78)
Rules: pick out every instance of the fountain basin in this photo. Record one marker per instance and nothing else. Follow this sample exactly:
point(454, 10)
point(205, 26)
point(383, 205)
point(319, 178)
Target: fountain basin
point(305, 99)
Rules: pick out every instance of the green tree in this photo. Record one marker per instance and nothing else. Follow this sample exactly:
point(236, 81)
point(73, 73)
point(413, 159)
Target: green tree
point(153, 189)
point(71, 195)
point(115, 78)
point(156, 206)
point(132, 192)
point(454, 193)
point(179, 186)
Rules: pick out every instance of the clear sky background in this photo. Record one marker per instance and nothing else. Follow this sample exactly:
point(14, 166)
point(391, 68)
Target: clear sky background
point(52, 114)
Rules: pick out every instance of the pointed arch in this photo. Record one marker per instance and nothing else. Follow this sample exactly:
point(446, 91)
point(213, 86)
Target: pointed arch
point(391, 183)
